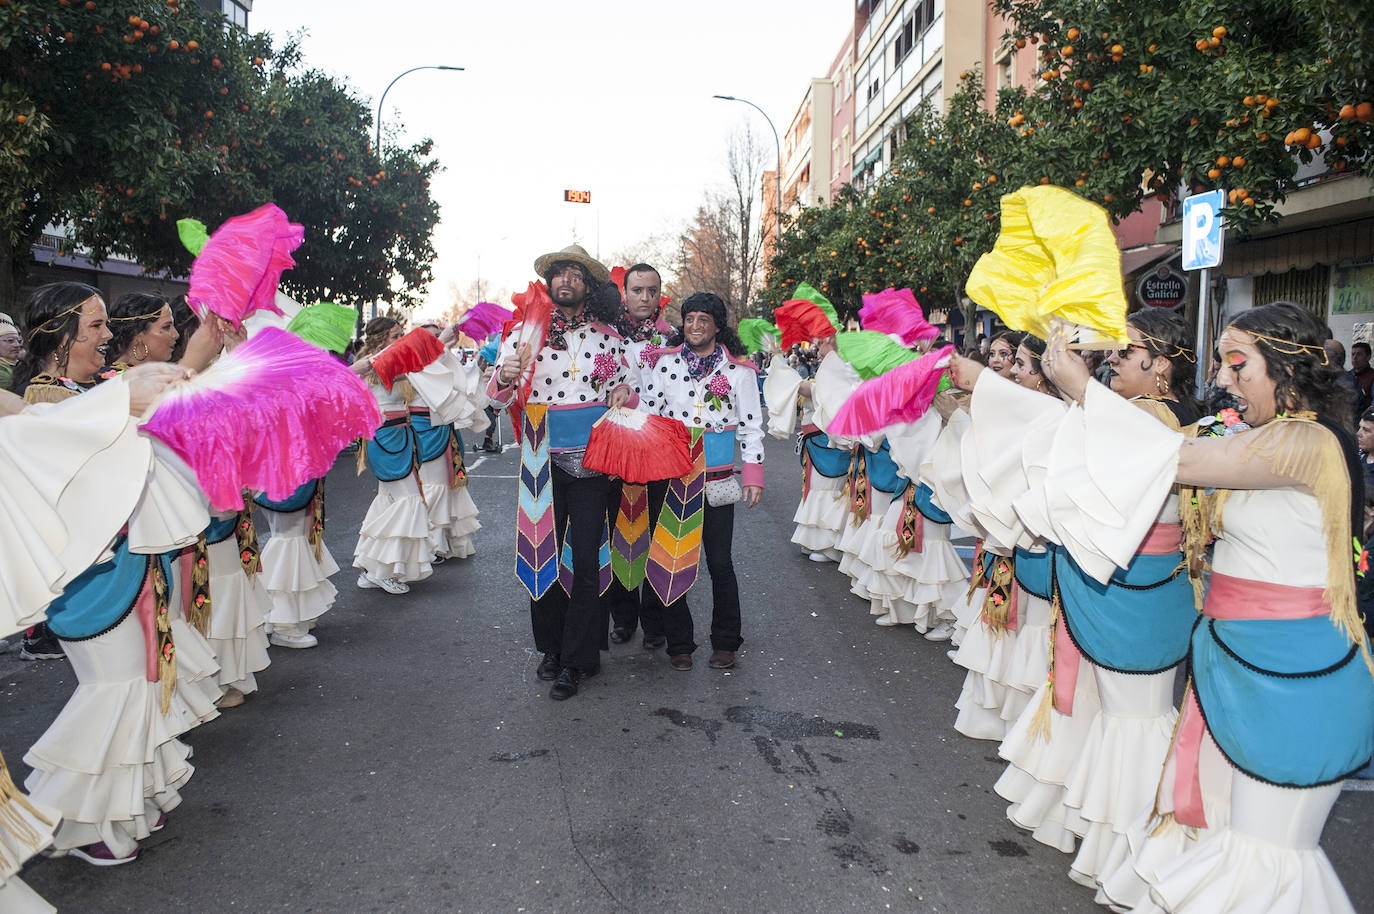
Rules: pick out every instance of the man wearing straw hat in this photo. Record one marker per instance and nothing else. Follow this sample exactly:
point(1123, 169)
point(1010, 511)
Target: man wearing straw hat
point(579, 364)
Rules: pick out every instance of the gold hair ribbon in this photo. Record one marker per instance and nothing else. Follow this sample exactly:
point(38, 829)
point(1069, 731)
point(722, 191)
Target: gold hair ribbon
point(1288, 347)
point(74, 309)
point(1165, 346)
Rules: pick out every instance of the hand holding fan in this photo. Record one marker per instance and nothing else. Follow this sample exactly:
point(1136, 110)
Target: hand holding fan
point(269, 416)
point(900, 395)
point(534, 310)
point(638, 447)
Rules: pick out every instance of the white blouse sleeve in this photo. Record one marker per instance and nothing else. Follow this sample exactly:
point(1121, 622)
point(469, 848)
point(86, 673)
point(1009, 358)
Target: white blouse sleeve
point(780, 389)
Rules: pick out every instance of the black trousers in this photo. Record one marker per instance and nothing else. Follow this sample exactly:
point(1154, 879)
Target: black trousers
point(717, 537)
point(628, 607)
point(573, 626)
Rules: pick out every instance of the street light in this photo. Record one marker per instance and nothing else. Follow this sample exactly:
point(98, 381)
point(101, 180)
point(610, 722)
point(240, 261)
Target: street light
point(378, 144)
point(777, 199)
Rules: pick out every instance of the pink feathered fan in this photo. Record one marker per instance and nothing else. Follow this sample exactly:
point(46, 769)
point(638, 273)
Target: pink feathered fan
point(269, 416)
point(410, 353)
point(897, 312)
point(237, 270)
point(534, 310)
point(900, 395)
point(638, 447)
point(483, 319)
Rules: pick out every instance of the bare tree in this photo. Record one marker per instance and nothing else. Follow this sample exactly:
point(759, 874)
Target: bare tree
point(719, 250)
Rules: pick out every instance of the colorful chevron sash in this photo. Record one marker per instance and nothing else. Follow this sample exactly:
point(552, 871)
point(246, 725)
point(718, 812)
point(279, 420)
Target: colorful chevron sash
point(536, 547)
point(676, 546)
point(565, 562)
point(911, 531)
point(630, 538)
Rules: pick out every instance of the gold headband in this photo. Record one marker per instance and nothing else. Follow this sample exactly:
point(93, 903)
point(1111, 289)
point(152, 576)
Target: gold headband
point(137, 317)
point(74, 309)
point(1164, 346)
point(1288, 347)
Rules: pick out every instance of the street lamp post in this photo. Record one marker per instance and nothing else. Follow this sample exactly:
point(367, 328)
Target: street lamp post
point(777, 199)
point(377, 142)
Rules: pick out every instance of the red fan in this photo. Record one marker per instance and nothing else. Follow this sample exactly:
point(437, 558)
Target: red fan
point(638, 447)
point(411, 352)
point(534, 310)
point(800, 321)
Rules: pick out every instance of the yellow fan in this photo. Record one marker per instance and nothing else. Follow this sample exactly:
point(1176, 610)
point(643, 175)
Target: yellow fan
point(1056, 256)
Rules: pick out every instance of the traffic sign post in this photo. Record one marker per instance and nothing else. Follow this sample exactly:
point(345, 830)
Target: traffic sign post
point(1202, 244)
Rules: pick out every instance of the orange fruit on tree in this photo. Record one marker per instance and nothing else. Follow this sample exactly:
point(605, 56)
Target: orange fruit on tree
point(1238, 162)
point(1219, 32)
point(1364, 111)
point(1301, 134)
point(1248, 100)
point(1214, 173)
point(1223, 161)
point(1347, 112)
point(1118, 49)
point(1073, 34)
point(1066, 50)
point(1314, 141)
point(21, 118)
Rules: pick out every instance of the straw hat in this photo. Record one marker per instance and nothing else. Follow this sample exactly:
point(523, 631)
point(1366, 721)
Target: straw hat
point(574, 253)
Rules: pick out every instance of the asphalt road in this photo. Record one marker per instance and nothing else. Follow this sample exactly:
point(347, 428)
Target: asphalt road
point(413, 762)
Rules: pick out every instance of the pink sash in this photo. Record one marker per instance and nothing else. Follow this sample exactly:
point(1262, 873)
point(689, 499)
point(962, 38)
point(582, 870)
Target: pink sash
point(1230, 598)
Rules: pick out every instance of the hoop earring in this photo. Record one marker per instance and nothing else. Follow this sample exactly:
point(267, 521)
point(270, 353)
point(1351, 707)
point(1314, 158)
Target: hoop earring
point(1162, 385)
point(63, 352)
point(133, 351)
point(1040, 385)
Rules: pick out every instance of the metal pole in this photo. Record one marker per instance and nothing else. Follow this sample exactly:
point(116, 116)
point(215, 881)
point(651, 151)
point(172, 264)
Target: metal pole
point(777, 175)
point(1204, 358)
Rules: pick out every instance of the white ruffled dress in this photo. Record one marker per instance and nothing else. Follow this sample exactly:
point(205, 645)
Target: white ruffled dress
point(238, 618)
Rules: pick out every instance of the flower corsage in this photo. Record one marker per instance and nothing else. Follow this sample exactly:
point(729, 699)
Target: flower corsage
point(718, 391)
point(603, 370)
point(1225, 423)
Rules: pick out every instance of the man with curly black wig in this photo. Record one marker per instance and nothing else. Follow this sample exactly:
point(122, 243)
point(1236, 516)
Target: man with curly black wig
point(705, 382)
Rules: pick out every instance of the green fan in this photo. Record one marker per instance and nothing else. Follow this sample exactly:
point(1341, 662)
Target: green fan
point(755, 333)
point(872, 353)
point(813, 295)
point(326, 325)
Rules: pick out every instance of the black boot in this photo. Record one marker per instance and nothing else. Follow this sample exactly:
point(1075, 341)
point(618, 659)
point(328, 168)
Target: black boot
point(548, 668)
point(565, 686)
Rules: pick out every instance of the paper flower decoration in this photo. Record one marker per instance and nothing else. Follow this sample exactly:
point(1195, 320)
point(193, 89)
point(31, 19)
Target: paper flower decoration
point(327, 325)
point(411, 352)
point(483, 319)
point(237, 270)
point(800, 320)
point(901, 395)
point(1056, 256)
point(757, 333)
point(270, 415)
point(896, 311)
point(871, 353)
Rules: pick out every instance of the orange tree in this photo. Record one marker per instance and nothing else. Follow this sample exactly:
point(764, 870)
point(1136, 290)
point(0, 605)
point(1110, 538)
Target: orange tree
point(117, 117)
point(1229, 94)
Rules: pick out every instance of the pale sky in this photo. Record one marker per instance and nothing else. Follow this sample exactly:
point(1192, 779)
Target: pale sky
point(611, 96)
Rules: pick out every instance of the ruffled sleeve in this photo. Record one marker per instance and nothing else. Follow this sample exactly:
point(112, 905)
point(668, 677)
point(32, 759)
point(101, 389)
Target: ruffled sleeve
point(943, 472)
point(835, 381)
point(72, 474)
point(1111, 469)
point(172, 511)
point(780, 390)
point(910, 443)
point(452, 391)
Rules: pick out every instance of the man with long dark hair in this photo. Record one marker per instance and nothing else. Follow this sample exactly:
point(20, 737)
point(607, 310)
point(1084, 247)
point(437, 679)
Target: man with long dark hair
point(578, 366)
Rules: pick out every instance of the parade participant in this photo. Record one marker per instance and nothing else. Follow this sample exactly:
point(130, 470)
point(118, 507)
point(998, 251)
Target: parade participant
point(1282, 681)
point(394, 547)
point(11, 348)
point(297, 566)
point(641, 324)
point(236, 628)
point(142, 328)
point(821, 513)
point(53, 463)
point(1002, 351)
point(707, 384)
point(558, 367)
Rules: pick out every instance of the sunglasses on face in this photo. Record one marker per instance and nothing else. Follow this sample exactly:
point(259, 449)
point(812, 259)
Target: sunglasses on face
point(1125, 353)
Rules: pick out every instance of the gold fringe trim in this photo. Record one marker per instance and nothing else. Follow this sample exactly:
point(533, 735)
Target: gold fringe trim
point(13, 803)
point(166, 650)
point(1303, 450)
point(317, 519)
point(246, 534)
point(1001, 578)
point(460, 469)
point(976, 578)
point(199, 609)
point(361, 458)
point(48, 393)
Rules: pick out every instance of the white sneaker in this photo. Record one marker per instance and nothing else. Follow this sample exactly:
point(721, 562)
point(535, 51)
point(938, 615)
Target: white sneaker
point(819, 557)
point(941, 631)
point(390, 585)
point(285, 639)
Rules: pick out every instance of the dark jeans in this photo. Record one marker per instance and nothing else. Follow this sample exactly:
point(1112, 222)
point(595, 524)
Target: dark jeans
point(628, 607)
point(717, 535)
point(573, 627)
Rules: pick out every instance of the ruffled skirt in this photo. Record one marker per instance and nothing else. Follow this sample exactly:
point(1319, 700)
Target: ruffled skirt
point(859, 547)
point(1005, 668)
point(198, 685)
point(820, 518)
point(17, 898)
point(919, 588)
point(238, 629)
point(110, 764)
point(394, 539)
point(297, 583)
point(452, 514)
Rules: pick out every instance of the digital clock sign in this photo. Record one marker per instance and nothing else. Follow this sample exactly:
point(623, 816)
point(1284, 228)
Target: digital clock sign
point(577, 196)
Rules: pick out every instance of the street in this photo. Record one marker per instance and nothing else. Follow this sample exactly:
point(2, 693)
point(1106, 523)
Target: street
point(413, 762)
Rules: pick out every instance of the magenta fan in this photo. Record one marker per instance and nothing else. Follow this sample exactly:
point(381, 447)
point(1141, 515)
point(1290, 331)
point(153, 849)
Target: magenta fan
point(897, 312)
point(902, 394)
point(269, 416)
point(237, 271)
point(483, 319)
point(638, 447)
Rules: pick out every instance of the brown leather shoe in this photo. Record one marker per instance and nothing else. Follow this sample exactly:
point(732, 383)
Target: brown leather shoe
point(680, 661)
point(721, 660)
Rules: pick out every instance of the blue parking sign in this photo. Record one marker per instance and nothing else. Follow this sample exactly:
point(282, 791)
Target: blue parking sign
point(1202, 235)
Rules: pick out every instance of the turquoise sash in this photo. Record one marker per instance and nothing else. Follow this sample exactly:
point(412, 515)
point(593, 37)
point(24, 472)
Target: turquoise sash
point(570, 427)
point(719, 447)
point(102, 595)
